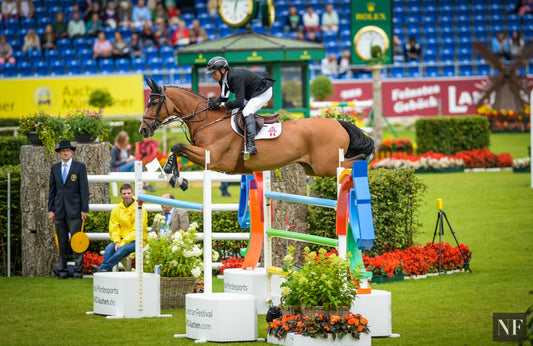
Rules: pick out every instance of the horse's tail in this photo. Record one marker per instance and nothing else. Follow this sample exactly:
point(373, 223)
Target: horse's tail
point(361, 146)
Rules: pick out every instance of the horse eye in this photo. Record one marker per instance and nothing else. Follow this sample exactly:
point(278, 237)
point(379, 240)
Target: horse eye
point(154, 103)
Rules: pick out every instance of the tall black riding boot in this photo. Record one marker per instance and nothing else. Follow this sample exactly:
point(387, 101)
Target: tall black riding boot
point(250, 134)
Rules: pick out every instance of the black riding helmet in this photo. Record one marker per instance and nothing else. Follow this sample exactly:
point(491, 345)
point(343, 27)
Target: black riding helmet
point(217, 63)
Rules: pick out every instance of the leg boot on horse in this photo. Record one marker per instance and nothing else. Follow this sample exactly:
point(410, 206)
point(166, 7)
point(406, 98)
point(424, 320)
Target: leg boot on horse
point(250, 135)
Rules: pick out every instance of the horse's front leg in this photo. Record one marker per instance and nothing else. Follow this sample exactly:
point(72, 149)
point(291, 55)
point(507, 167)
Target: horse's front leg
point(191, 153)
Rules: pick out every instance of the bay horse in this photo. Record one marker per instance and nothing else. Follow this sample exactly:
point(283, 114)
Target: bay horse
point(312, 142)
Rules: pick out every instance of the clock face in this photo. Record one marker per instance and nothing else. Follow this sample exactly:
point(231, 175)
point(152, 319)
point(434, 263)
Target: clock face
point(236, 13)
point(368, 37)
point(268, 12)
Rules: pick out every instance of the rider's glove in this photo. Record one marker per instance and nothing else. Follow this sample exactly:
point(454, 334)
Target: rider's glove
point(214, 104)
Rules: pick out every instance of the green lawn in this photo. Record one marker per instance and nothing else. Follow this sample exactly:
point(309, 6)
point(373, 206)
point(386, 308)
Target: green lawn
point(491, 213)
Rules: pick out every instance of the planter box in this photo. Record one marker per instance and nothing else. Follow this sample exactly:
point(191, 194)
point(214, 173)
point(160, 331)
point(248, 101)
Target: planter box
point(380, 279)
point(298, 340)
point(522, 170)
point(441, 170)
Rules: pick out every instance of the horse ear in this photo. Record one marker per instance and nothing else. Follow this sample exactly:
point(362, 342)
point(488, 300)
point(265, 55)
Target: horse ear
point(151, 83)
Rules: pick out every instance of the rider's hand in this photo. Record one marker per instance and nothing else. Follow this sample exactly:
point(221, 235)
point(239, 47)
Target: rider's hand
point(213, 104)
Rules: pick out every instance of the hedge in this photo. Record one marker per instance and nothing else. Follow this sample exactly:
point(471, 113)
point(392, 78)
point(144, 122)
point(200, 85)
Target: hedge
point(395, 196)
point(10, 149)
point(450, 135)
point(8, 122)
point(15, 220)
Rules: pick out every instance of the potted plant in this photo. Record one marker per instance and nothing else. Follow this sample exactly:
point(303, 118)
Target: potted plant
point(42, 129)
point(86, 125)
point(324, 283)
point(179, 261)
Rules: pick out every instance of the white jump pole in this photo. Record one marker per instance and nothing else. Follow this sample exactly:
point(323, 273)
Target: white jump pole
point(208, 280)
point(139, 268)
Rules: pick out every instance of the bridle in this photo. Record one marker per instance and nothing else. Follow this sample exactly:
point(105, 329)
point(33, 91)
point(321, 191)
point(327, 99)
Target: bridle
point(180, 117)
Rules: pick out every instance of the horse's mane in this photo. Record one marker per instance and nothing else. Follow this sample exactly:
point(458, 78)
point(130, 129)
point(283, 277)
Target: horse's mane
point(182, 88)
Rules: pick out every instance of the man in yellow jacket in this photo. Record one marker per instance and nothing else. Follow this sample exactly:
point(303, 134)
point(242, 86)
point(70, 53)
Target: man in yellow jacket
point(122, 230)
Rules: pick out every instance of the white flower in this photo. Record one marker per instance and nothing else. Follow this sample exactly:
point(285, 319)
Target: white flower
point(196, 272)
point(285, 291)
point(196, 251)
point(152, 235)
point(174, 263)
point(215, 255)
point(175, 248)
point(193, 225)
point(177, 237)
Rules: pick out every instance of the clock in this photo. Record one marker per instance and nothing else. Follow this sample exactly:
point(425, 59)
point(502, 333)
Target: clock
point(237, 13)
point(268, 13)
point(368, 37)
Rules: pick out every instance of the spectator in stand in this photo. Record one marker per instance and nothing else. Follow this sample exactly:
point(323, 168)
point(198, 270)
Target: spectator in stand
point(293, 21)
point(9, 10)
point(76, 26)
point(6, 51)
point(60, 26)
point(147, 35)
point(91, 10)
point(162, 33)
point(94, 25)
point(48, 41)
point(313, 37)
point(212, 8)
point(516, 44)
point(152, 4)
point(160, 12)
point(125, 13)
point(102, 47)
point(300, 35)
point(398, 55)
point(110, 16)
point(137, 46)
point(345, 62)
point(141, 15)
point(187, 6)
point(412, 50)
point(121, 48)
point(31, 42)
point(330, 20)
point(197, 33)
point(181, 36)
point(173, 13)
point(525, 6)
point(328, 66)
point(25, 8)
point(311, 20)
point(500, 45)
point(75, 8)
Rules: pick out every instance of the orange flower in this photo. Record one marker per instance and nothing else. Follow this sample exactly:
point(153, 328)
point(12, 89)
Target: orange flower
point(326, 328)
point(364, 320)
point(286, 327)
point(360, 328)
point(334, 319)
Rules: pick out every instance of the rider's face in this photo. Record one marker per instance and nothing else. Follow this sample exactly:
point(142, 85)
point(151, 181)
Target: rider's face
point(217, 75)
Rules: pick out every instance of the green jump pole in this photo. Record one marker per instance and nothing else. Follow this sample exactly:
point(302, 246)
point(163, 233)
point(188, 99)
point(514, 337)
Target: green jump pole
point(302, 236)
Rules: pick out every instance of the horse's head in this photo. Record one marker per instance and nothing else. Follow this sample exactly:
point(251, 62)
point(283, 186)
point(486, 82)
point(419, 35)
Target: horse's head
point(155, 114)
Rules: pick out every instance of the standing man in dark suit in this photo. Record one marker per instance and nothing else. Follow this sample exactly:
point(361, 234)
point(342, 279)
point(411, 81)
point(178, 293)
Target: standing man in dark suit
point(251, 91)
point(68, 204)
point(170, 220)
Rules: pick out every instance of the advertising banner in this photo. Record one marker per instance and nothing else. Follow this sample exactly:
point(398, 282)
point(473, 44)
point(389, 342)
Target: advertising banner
point(59, 96)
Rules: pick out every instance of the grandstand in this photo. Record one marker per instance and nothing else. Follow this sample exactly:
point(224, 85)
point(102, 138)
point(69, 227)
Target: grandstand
point(445, 29)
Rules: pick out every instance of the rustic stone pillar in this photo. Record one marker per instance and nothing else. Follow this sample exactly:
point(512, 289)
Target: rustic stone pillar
point(39, 251)
point(289, 179)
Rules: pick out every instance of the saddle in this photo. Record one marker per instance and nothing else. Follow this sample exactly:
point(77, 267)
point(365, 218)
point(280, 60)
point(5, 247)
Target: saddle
point(259, 121)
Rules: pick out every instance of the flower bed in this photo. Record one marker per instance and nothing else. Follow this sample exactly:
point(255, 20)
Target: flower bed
point(433, 162)
point(319, 326)
point(90, 259)
point(231, 262)
point(398, 147)
point(507, 120)
point(522, 165)
point(417, 260)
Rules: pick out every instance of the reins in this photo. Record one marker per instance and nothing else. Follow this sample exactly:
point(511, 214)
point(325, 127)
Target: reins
point(183, 119)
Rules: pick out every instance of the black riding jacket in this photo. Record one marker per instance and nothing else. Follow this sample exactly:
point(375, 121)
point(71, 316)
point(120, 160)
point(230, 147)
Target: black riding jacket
point(245, 84)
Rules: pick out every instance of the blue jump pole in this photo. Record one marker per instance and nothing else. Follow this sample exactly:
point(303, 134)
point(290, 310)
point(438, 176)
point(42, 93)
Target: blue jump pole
point(171, 202)
point(319, 202)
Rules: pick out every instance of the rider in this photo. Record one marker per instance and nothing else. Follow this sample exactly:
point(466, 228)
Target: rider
point(251, 91)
